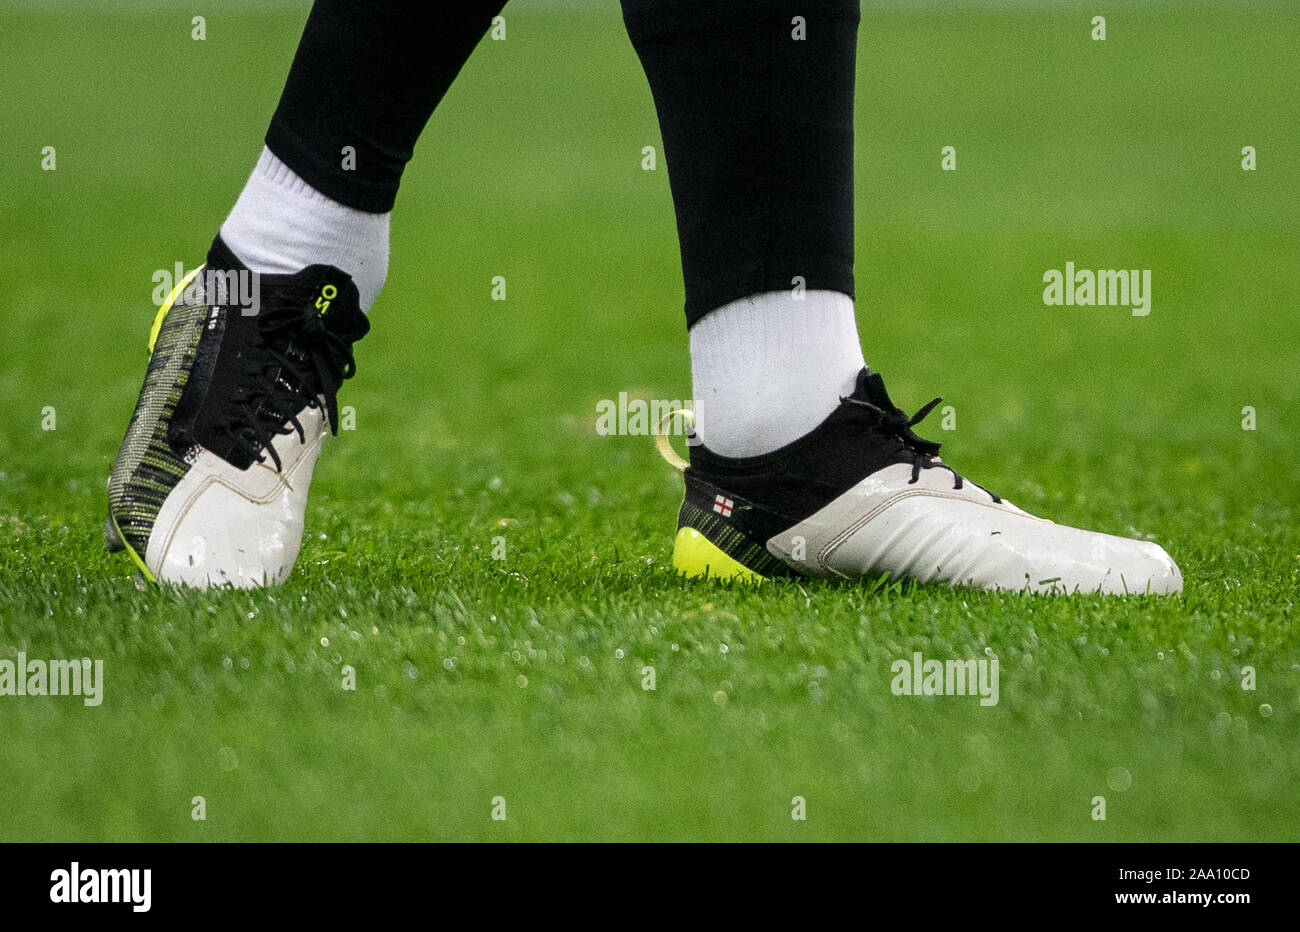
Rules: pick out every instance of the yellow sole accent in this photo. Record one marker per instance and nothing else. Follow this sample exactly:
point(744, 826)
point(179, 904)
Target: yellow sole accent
point(167, 306)
point(135, 557)
point(694, 555)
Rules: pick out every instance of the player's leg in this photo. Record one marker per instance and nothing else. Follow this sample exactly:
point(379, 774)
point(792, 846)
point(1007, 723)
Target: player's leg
point(364, 82)
point(758, 134)
point(803, 463)
point(210, 484)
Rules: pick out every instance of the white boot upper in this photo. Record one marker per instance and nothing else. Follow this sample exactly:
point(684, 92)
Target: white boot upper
point(931, 532)
point(223, 526)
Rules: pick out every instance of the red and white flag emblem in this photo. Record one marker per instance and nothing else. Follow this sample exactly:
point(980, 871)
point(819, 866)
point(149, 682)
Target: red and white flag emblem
point(723, 505)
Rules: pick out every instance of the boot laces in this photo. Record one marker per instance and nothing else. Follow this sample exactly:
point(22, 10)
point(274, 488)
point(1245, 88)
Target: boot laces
point(302, 364)
point(923, 453)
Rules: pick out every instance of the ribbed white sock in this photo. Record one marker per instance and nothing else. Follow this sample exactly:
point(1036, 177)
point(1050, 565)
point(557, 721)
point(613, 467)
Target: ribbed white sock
point(767, 369)
point(281, 224)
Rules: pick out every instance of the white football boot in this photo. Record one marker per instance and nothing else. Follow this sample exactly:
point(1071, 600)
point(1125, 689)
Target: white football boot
point(210, 483)
point(864, 496)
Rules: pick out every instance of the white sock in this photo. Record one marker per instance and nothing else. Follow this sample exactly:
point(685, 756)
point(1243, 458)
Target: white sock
point(767, 369)
point(281, 224)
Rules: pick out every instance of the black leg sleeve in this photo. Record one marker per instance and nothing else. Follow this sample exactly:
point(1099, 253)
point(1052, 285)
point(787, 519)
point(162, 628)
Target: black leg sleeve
point(757, 126)
point(369, 75)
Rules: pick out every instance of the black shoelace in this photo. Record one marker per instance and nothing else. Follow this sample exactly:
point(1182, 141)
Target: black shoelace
point(924, 453)
point(303, 364)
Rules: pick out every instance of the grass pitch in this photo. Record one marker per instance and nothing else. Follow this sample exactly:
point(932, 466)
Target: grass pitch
point(522, 678)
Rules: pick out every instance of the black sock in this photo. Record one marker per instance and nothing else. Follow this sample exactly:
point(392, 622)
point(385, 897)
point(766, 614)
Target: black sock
point(369, 75)
point(758, 135)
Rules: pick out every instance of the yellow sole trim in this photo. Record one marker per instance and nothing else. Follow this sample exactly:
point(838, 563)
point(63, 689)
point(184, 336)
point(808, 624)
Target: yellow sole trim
point(694, 555)
point(135, 557)
point(167, 306)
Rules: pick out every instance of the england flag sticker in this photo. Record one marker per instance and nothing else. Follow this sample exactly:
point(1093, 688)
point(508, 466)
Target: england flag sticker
point(723, 505)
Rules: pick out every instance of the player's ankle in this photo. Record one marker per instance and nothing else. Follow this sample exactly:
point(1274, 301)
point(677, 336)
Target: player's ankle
point(280, 225)
point(769, 368)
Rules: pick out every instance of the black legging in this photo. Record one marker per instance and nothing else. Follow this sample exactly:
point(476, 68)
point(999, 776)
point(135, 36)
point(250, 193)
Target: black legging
point(755, 103)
